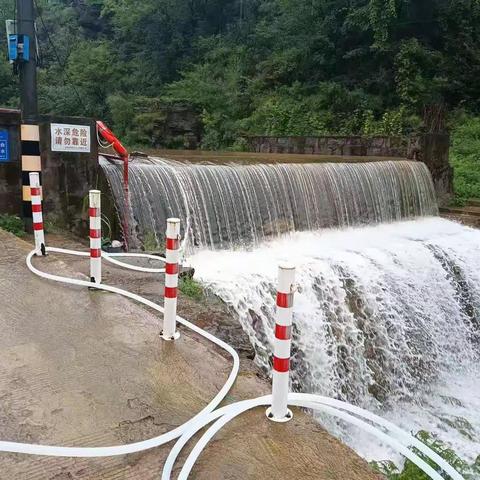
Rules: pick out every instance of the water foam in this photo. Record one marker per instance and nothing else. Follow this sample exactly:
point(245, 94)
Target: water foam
point(388, 319)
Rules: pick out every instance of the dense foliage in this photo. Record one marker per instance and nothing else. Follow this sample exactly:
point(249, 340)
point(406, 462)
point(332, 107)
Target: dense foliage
point(465, 158)
point(255, 66)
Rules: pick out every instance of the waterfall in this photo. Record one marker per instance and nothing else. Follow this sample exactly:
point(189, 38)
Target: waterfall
point(230, 205)
point(388, 319)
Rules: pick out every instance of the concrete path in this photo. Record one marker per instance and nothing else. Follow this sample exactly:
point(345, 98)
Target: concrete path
point(85, 368)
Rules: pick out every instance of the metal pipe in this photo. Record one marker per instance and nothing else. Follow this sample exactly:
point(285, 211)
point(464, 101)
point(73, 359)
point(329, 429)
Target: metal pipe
point(109, 136)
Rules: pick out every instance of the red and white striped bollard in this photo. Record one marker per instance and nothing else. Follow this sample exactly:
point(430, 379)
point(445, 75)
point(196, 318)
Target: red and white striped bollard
point(279, 411)
point(37, 216)
point(169, 331)
point(95, 236)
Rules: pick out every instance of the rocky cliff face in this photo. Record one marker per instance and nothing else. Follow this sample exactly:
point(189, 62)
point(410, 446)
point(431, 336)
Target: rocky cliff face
point(181, 128)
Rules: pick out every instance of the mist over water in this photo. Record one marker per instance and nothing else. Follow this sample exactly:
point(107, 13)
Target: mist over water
point(388, 317)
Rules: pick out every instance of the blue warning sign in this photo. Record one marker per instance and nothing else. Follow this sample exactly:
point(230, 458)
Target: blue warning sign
point(4, 146)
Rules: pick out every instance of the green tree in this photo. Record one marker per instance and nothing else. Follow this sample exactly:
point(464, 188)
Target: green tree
point(294, 67)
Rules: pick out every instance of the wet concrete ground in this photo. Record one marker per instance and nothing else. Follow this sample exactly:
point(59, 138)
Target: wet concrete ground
point(86, 368)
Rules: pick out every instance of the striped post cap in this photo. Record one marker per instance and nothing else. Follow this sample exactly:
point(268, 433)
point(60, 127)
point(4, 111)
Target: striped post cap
point(37, 216)
point(171, 279)
point(95, 236)
point(279, 412)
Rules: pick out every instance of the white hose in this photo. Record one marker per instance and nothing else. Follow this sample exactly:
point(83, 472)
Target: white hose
point(404, 437)
point(238, 408)
point(225, 414)
point(319, 403)
point(108, 256)
point(137, 446)
point(202, 422)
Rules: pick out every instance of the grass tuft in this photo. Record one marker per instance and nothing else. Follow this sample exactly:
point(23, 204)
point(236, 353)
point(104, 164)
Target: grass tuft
point(12, 224)
point(191, 288)
point(411, 472)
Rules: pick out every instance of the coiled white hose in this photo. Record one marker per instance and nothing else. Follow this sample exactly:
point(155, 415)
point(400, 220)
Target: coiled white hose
point(225, 414)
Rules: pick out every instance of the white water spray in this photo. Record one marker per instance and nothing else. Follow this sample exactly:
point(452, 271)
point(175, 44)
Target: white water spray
point(388, 319)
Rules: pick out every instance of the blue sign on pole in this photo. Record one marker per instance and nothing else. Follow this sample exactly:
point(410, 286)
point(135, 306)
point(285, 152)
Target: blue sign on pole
point(4, 146)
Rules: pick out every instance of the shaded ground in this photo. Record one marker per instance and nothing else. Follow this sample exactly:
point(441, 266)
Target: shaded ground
point(85, 368)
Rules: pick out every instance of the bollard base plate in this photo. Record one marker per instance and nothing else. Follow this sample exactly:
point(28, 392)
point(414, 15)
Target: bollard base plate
point(170, 338)
point(42, 252)
point(285, 419)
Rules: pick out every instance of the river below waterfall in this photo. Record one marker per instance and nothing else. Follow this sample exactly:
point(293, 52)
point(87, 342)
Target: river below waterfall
point(388, 319)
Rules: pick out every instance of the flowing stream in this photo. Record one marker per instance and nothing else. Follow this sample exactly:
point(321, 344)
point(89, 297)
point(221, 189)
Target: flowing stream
point(388, 317)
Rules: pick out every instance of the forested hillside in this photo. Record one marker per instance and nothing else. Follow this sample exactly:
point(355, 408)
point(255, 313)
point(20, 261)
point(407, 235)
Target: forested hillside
point(256, 66)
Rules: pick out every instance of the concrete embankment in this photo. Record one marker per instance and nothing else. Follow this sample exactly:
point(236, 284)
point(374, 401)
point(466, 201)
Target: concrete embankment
point(467, 215)
point(85, 368)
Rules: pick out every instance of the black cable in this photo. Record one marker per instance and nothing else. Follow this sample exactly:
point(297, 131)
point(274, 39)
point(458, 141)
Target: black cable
point(59, 61)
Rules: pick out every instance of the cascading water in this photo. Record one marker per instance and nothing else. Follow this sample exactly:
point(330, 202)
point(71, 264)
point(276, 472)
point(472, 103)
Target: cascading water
point(388, 317)
point(227, 205)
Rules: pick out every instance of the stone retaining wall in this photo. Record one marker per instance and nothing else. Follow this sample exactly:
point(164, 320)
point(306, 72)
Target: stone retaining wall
point(432, 149)
point(66, 177)
point(332, 145)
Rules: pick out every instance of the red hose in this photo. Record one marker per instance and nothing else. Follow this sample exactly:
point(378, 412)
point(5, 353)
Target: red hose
point(108, 135)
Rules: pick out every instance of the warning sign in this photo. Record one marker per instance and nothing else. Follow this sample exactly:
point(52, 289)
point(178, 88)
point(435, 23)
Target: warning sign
point(70, 138)
point(4, 146)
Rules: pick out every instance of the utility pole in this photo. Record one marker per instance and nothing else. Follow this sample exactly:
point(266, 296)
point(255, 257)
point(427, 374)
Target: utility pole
point(28, 69)
point(29, 131)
